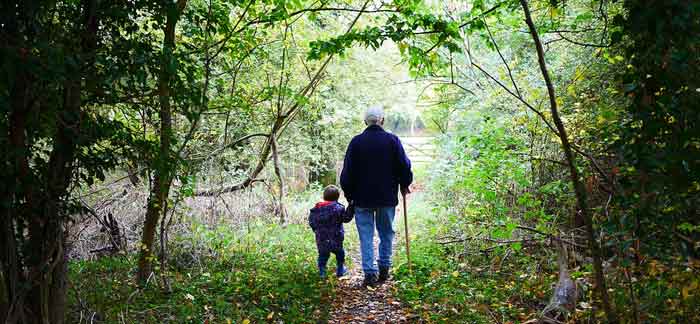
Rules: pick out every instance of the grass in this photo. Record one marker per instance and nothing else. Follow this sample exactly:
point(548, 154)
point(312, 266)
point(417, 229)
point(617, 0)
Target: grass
point(268, 275)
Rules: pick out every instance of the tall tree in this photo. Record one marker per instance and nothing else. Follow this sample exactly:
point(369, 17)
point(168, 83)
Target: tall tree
point(661, 135)
point(46, 130)
point(579, 189)
point(164, 163)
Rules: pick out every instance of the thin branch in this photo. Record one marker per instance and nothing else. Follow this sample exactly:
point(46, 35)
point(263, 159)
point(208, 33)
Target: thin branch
point(522, 100)
point(215, 192)
point(482, 15)
point(498, 50)
point(234, 32)
point(432, 47)
point(280, 125)
point(238, 141)
point(311, 86)
point(464, 24)
point(344, 9)
point(521, 227)
point(452, 78)
point(282, 70)
point(581, 43)
point(576, 182)
point(535, 158)
point(319, 9)
point(553, 237)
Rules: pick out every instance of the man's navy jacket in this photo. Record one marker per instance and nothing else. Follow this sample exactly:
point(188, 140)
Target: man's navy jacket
point(374, 168)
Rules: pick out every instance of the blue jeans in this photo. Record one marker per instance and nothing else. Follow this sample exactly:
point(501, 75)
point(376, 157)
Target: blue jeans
point(365, 219)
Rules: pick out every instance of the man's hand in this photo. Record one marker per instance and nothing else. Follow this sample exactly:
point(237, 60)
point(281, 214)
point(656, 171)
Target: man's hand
point(405, 190)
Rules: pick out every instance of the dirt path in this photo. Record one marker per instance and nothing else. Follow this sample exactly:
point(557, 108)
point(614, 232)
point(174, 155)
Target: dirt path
point(357, 304)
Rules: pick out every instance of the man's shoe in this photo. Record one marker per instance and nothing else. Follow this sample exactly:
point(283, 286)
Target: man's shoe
point(383, 274)
point(322, 273)
point(370, 280)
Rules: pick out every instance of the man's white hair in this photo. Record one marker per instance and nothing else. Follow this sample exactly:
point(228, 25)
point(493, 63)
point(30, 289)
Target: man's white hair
point(374, 115)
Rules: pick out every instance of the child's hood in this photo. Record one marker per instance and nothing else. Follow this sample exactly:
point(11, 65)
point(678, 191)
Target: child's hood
point(325, 203)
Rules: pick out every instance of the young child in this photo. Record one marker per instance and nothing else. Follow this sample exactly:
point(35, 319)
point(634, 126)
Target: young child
point(326, 220)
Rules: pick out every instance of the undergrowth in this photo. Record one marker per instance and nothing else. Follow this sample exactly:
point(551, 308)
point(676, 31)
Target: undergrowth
point(267, 273)
point(446, 286)
point(215, 276)
point(453, 283)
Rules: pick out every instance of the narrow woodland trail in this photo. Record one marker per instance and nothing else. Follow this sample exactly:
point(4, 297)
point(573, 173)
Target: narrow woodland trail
point(357, 304)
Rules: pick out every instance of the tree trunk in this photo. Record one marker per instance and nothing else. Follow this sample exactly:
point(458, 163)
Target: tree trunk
point(579, 189)
point(46, 232)
point(278, 171)
point(22, 203)
point(163, 171)
point(33, 262)
point(18, 191)
point(9, 273)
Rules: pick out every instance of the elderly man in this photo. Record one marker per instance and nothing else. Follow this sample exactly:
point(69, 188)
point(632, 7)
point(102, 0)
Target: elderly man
point(375, 168)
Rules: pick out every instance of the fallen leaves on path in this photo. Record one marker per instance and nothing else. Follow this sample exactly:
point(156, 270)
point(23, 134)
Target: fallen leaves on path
point(354, 303)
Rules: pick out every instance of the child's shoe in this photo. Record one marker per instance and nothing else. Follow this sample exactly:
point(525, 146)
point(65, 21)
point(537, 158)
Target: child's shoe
point(322, 273)
point(341, 271)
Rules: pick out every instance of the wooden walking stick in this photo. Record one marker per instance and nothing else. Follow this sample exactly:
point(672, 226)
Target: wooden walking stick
point(408, 241)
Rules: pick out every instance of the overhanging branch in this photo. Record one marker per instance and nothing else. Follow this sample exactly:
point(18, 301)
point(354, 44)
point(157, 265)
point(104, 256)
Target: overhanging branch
point(280, 124)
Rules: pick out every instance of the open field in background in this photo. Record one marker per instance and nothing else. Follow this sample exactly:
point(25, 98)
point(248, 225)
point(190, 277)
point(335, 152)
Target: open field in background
point(420, 149)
